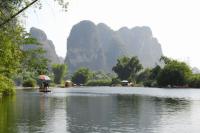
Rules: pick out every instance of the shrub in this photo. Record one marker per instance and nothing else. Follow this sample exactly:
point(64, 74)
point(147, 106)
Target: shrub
point(52, 84)
point(174, 74)
point(7, 86)
point(194, 81)
point(115, 81)
point(29, 83)
point(81, 76)
point(150, 83)
point(98, 83)
point(59, 70)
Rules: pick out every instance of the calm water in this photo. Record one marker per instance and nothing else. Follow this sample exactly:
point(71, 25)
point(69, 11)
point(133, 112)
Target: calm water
point(102, 110)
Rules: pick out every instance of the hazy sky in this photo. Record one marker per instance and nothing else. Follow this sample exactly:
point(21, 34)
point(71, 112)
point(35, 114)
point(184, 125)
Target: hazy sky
point(175, 23)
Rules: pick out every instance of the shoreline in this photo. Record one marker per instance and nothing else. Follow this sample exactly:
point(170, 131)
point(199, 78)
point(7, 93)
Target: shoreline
point(32, 88)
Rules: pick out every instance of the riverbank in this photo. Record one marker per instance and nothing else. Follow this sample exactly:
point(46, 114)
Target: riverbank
point(23, 88)
point(32, 88)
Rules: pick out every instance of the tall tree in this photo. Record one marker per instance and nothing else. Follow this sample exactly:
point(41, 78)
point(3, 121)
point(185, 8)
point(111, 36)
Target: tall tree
point(165, 59)
point(59, 71)
point(174, 73)
point(81, 76)
point(127, 68)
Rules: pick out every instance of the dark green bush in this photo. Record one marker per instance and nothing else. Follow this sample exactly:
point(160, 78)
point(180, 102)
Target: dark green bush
point(194, 81)
point(115, 81)
point(147, 83)
point(81, 76)
point(52, 84)
point(150, 83)
point(7, 86)
point(98, 83)
point(29, 83)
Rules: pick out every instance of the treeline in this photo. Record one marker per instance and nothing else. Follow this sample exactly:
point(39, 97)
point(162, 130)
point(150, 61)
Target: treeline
point(84, 76)
point(171, 73)
point(56, 72)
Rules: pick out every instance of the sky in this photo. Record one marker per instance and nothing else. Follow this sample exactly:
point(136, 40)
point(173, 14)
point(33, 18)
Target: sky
point(175, 23)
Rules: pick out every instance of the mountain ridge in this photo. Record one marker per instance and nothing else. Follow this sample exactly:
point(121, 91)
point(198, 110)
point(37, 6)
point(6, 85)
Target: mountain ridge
point(98, 46)
point(46, 44)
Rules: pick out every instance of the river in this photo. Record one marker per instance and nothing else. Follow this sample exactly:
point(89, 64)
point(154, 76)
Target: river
point(102, 110)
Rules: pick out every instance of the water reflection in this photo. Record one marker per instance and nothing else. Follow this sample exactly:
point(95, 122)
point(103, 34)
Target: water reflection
point(172, 104)
point(119, 113)
point(31, 112)
point(8, 115)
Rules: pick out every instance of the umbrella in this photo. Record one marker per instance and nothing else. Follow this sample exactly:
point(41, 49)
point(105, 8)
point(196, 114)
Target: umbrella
point(44, 77)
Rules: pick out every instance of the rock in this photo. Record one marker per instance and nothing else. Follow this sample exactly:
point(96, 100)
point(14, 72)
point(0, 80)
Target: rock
point(46, 44)
point(97, 47)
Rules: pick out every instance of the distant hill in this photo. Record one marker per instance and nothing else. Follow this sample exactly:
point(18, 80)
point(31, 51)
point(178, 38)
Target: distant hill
point(98, 46)
point(46, 44)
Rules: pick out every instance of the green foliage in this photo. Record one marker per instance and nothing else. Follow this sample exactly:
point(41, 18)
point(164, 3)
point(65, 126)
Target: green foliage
point(150, 83)
point(29, 83)
point(174, 74)
point(148, 77)
point(13, 59)
point(10, 53)
point(127, 68)
point(52, 84)
point(34, 61)
point(18, 79)
point(81, 76)
point(143, 76)
point(99, 79)
point(60, 71)
point(99, 83)
point(194, 81)
point(101, 76)
point(155, 72)
point(166, 60)
point(7, 86)
point(115, 81)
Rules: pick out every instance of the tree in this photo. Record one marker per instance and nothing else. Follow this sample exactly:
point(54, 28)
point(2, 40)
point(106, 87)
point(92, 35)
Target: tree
point(6, 86)
point(34, 61)
point(165, 59)
point(155, 72)
point(148, 77)
point(59, 71)
point(194, 81)
point(81, 76)
point(144, 75)
point(10, 52)
point(127, 68)
point(174, 73)
point(13, 37)
point(99, 75)
point(134, 67)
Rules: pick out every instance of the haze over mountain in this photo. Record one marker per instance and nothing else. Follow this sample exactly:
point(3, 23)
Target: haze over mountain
point(98, 47)
point(46, 44)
